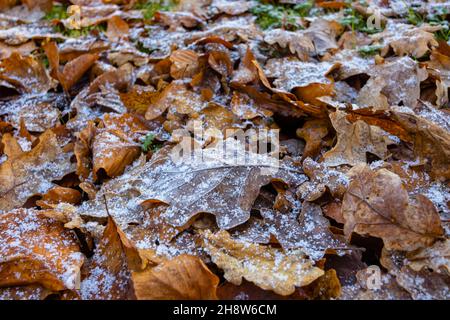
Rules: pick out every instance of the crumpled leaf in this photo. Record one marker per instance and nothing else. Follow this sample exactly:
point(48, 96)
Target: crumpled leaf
point(431, 142)
point(377, 204)
point(107, 272)
point(322, 179)
point(38, 250)
point(25, 74)
point(406, 39)
point(32, 172)
point(401, 77)
point(268, 268)
point(184, 277)
point(354, 140)
point(298, 43)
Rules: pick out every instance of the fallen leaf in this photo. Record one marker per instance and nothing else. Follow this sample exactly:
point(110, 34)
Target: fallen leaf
point(376, 203)
point(38, 250)
point(401, 78)
point(354, 140)
point(182, 278)
point(32, 172)
point(298, 43)
point(107, 272)
point(117, 28)
point(25, 74)
point(307, 230)
point(223, 189)
point(268, 268)
point(431, 142)
point(407, 39)
point(322, 179)
point(313, 132)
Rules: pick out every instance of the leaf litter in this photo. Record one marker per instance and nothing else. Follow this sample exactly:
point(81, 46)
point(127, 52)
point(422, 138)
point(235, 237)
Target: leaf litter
point(93, 205)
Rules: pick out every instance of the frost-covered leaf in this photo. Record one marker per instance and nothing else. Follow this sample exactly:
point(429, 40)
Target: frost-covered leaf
point(38, 250)
point(376, 203)
point(33, 172)
point(25, 74)
point(307, 230)
point(354, 140)
point(268, 268)
point(38, 112)
point(292, 73)
point(298, 43)
point(226, 185)
point(107, 271)
point(400, 82)
point(407, 39)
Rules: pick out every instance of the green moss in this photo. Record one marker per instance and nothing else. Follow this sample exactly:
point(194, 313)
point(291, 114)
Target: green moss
point(58, 12)
point(149, 143)
point(281, 16)
point(150, 7)
point(436, 18)
point(356, 21)
point(367, 51)
point(82, 32)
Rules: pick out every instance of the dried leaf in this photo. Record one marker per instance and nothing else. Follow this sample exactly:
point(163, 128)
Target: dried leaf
point(354, 140)
point(224, 189)
point(32, 172)
point(431, 142)
point(182, 278)
point(38, 250)
point(25, 74)
point(377, 204)
point(407, 39)
point(268, 268)
point(298, 43)
point(108, 276)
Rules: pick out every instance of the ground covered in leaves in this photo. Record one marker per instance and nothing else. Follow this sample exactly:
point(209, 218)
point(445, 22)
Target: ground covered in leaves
point(95, 95)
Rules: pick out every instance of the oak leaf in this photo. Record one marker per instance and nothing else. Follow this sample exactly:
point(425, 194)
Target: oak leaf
point(354, 140)
point(25, 74)
point(32, 172)
point(184, 277)
point(377, 204)
point(268, 268)
point(38, 250)
point(226, 185)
